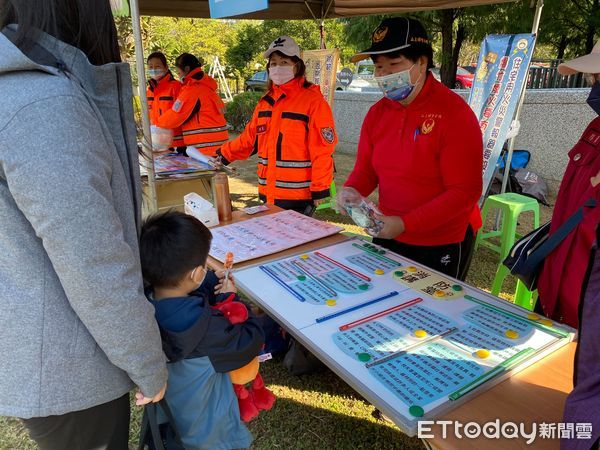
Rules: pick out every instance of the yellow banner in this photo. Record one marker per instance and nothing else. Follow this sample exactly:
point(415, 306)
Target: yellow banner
point(321, 69)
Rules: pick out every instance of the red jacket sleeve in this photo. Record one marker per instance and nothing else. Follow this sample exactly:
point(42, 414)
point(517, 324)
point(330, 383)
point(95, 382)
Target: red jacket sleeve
point(461, 161)
point(363, 177)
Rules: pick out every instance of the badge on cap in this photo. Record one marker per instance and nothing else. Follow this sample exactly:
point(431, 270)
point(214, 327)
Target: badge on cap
point(278, 42)
point(427, 126)
point(177, 105)
point(328, 134)
point(379, 34)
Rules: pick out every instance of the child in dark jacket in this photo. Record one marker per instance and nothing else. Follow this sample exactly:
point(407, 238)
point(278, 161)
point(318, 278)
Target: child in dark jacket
point(200, 342)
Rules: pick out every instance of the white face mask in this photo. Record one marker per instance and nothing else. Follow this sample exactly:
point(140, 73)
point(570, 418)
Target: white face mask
point(281, 74)
point(396, 86)
point(156, 74)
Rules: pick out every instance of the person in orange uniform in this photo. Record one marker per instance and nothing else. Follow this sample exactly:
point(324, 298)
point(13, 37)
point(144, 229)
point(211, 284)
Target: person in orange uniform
point(292, 131)
point(163, 89)
point(198, 109)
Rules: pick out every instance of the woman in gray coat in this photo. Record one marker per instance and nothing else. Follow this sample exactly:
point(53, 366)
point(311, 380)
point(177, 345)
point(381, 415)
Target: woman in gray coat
point(76, 332)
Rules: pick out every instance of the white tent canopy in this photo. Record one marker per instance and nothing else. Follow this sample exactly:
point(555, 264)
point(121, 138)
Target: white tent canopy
point(294, 9)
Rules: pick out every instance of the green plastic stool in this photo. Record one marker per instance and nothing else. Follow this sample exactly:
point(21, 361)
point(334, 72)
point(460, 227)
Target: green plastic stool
point(523, 296)
point(511, 205)
point(329, 204)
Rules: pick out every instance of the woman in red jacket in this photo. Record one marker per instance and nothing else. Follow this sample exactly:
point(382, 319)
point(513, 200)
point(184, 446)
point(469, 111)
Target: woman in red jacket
point(562, 278)
point(421, 146)
point(292, 131)
point(163, 89)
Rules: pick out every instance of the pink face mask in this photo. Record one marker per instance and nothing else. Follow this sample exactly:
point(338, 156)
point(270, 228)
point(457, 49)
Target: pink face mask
point(281, 74)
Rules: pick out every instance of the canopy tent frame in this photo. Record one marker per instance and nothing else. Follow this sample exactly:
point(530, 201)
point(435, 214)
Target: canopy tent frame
point(347, 8)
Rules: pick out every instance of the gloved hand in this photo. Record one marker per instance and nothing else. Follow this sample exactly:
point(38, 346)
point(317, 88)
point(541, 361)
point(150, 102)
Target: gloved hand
point(347, 196)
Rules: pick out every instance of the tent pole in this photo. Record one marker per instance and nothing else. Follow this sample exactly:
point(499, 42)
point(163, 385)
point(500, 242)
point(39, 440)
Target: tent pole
point(140, 68)
point(511, 142)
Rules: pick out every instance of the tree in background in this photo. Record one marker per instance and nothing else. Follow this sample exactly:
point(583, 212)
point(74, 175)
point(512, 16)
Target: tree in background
point(568, 28)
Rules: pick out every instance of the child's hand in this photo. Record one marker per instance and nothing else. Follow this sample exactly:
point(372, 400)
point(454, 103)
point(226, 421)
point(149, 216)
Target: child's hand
point(224, 286)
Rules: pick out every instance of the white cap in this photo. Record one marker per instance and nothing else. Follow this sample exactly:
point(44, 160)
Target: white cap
point(589, 63)
point(285, 45)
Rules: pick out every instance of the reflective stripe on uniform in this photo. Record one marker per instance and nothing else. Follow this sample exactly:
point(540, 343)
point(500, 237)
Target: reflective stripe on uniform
point(263, 161)
point(209, 144)
point(296, 164)
point(265, 113)
point(206, 130)
point(262, 181)
point(292, 184)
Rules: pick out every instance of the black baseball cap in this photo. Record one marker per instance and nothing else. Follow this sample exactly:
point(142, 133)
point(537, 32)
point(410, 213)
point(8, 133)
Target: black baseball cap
point(394, 34)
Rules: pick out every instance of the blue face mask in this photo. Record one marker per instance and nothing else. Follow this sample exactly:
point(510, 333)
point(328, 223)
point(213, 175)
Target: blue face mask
point(396, 86)
point(594, 98)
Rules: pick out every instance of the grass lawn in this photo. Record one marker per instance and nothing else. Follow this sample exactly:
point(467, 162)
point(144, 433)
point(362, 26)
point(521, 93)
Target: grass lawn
point(318, 411)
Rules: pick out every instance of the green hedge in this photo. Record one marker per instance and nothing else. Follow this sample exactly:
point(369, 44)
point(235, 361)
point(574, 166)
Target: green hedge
point(239, 111)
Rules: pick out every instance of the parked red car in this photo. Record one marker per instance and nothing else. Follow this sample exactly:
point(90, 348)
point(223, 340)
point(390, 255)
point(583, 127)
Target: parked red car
point(464, 79)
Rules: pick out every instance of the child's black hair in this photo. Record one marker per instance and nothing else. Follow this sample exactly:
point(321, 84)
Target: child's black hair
point(171, 245)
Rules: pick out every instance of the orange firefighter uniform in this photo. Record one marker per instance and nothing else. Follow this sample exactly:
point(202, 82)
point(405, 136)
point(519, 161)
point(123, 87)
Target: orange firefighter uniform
point(161, 96)
point(292, 131)
point(199, 111)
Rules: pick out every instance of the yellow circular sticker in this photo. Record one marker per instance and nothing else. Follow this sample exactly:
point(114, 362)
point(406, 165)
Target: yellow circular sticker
point(483, 353)
point(511, 334)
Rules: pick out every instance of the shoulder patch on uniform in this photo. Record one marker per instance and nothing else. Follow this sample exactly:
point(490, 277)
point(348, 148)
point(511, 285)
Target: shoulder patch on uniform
point(328, 134)
point(177, 105)
point(261, 128)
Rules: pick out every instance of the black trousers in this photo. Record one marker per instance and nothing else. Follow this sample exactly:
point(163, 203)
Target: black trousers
point(451, 259)
point(102, 427)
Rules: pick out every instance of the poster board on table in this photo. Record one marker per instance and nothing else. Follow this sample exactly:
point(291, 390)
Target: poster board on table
point(266, 235)
point(321, 69)
point(412, 341)
point(501, 74)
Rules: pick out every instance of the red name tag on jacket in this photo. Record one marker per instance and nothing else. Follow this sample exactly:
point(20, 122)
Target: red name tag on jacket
point(261, 128)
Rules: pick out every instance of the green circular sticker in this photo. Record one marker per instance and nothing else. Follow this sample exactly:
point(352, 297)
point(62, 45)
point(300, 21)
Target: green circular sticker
point(363, 287)
point(364, 357)
point(416, 411)
point(398, 273)
point(457, 287)
point(301, 277)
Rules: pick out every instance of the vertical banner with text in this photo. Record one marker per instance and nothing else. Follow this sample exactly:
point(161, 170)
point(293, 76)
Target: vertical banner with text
point(321, 69)
point(501, 73)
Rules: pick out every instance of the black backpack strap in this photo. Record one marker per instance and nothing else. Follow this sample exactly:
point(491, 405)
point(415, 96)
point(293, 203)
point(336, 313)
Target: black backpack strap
point(150, 424)
point(167, 411)
point(559, 235)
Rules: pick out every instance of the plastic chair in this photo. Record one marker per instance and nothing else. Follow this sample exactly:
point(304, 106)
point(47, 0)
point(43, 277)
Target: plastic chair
point(523, 296)
point(511, 205)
